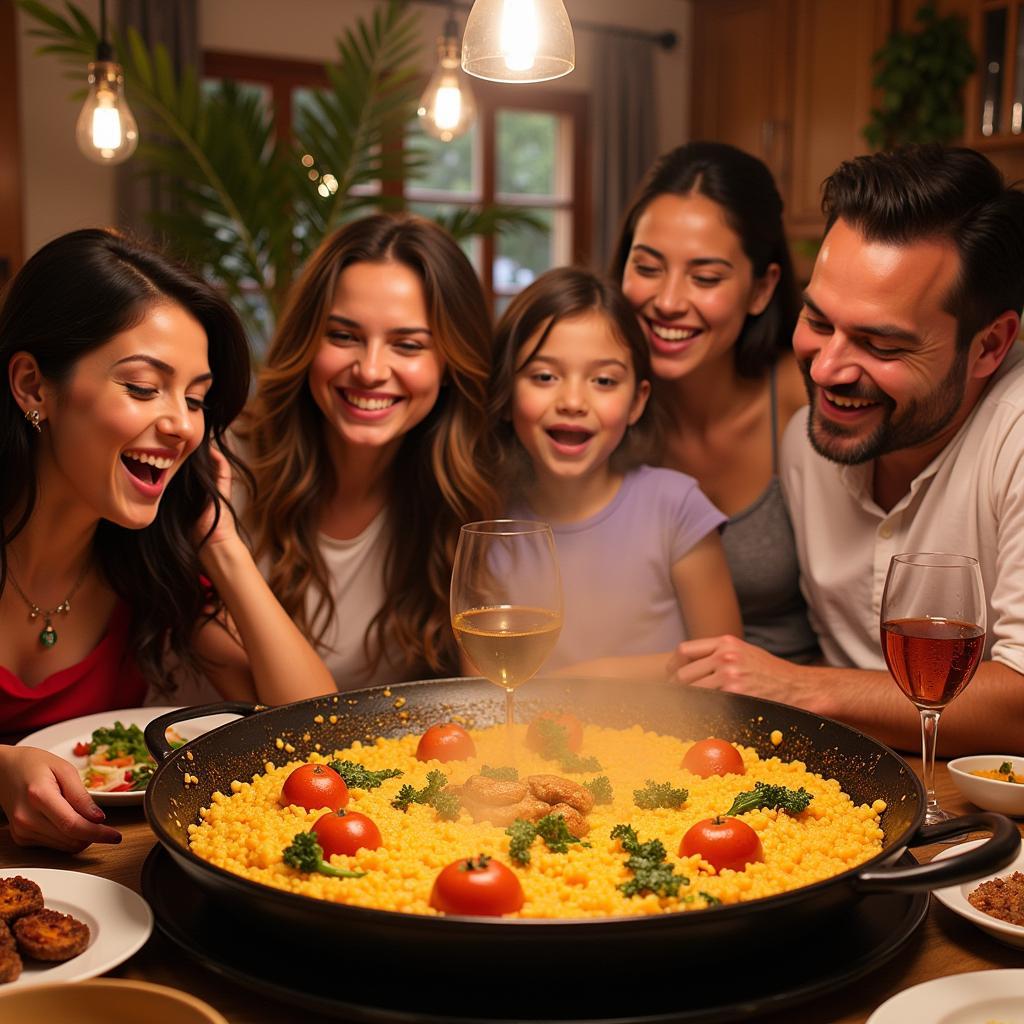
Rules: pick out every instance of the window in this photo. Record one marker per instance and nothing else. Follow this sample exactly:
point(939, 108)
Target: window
point(526, 149)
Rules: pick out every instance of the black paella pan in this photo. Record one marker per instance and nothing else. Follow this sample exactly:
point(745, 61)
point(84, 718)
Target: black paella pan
point(866, 770)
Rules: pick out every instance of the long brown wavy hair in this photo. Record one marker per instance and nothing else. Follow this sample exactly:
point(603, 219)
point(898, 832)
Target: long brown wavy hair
point(440, 478)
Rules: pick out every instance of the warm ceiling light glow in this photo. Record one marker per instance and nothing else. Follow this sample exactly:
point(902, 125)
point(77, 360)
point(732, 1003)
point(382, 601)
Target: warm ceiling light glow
point(447, 107)
point(106, 131)
point(518, 41)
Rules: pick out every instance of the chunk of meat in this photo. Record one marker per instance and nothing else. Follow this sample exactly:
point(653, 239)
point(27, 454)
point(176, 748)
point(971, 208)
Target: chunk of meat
point(574, 821)
point(19, 896)
point(504, 815)
point(553, 789)
point(10, 965)
point(494, 792)
point(50, 935)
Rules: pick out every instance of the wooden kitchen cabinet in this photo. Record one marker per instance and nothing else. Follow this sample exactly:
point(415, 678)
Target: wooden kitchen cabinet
point(790, 81)
point(994, 101)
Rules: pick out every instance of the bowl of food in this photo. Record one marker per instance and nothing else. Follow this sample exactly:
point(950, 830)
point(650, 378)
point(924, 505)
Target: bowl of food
point(994, 782)
point(994, 903)
point(100, 1001)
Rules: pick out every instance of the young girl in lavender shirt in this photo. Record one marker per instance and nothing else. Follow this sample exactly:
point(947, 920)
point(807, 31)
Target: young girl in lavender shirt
point(639, 549)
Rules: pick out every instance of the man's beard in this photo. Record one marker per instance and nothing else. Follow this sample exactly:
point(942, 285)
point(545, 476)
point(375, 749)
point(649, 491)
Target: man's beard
point(920, 420)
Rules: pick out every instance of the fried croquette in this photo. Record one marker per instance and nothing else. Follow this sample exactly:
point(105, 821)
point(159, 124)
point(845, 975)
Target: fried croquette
point(50, 935)
point(19, 896)
point(6, 938)
point(10, 965)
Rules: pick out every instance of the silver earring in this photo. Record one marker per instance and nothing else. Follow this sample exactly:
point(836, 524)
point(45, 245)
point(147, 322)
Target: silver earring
point(32, 418)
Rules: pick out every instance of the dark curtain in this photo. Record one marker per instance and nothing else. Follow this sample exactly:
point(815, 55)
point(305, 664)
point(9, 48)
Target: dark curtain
point(175, 25)
point(624, 126)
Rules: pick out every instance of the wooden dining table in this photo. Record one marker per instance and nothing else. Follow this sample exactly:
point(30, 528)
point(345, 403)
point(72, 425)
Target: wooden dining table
point(944, 944)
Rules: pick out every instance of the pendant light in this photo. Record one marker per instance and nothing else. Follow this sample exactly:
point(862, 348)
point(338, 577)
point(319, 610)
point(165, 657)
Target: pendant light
point(518, 41)
point(106, 131)
point(447, 107)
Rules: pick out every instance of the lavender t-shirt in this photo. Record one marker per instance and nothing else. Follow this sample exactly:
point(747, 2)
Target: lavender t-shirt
point(616, 567)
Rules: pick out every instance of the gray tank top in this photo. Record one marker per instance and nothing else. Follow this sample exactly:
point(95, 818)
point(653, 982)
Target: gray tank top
point(761, 553)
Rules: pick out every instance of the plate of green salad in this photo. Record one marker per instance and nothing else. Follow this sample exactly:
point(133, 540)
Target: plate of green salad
point(109, 749)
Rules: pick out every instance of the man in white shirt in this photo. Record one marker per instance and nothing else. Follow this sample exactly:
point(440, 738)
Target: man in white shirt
point(913, 440)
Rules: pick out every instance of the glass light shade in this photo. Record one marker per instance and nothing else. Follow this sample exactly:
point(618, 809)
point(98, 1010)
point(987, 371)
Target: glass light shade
point(447, 106)
point(106, 131)
point(518, 41)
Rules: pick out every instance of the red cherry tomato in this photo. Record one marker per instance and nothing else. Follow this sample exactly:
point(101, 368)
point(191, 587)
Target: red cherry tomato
point(481, 886)
point(569, 722)
point(445, 742)
point(345, 832)
point(713, 757)
point(314, 786)
point(723, 842)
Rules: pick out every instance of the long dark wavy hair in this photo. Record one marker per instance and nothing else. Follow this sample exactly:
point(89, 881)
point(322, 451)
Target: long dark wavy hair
point(561, 294)
point(71, 297)
point(743, 186)
point(441, 477)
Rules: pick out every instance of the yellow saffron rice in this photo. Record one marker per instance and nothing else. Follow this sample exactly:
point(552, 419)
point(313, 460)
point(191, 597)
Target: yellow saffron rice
point(246, 831)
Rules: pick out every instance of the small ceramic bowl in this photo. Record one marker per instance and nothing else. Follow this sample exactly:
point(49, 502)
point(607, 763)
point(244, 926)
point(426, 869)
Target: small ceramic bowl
point(103, 1000)
point(991, 794)
point(955, 896)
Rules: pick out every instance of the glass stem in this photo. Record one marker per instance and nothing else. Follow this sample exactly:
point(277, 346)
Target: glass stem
point(929, 734)
point(510, 711)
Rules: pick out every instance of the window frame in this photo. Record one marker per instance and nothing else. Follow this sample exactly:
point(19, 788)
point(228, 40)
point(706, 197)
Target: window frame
point(283, 76)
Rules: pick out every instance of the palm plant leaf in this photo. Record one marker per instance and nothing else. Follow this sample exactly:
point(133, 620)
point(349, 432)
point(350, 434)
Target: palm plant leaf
point(350, 129)
point(247, 210)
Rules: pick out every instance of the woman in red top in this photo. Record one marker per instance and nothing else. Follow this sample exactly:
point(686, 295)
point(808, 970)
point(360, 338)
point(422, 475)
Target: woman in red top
point(124, 371)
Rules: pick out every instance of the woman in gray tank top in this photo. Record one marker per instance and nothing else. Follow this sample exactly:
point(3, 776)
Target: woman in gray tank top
point(703, 259)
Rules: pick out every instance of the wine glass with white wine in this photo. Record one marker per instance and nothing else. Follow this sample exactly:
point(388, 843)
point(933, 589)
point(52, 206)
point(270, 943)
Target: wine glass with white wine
point(506, 600)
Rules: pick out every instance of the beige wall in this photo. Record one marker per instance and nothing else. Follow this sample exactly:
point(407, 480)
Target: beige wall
point(63, 190)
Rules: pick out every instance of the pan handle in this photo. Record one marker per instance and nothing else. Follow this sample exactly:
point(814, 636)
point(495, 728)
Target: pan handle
point(155, 732)
point(983, 860)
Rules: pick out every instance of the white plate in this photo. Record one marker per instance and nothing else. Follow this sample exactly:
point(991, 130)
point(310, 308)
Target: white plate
point(955, 897)
point(119, 923)
point(978, 997)
point(60, 739)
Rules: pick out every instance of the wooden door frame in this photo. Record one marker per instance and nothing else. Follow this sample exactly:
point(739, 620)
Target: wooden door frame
point(12, 226)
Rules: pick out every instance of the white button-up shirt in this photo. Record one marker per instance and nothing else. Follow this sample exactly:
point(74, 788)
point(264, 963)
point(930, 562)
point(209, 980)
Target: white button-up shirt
point(969, 500)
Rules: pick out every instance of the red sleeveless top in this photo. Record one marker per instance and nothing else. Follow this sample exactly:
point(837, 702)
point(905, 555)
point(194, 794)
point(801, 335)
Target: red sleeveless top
point(105, 680)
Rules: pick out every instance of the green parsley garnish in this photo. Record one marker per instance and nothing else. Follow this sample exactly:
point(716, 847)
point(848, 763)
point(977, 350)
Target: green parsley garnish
point(446, 805)
point(600, 789)
point(764, 795)
point(502, 774)
point(306, 854)
point(359, 777)
point(554, 746)
point(647, 862)
point(551, 828)
point(659, 794)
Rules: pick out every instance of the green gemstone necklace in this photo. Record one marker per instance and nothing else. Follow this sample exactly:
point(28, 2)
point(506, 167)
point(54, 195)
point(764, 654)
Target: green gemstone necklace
point(48, 636)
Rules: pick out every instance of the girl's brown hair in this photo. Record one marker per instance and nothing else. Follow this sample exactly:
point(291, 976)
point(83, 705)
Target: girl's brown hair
point(556, 295)
point(440, 476)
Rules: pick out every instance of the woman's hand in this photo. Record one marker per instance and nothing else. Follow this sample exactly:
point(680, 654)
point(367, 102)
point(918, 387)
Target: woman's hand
point(225, 531)
point(47, 804)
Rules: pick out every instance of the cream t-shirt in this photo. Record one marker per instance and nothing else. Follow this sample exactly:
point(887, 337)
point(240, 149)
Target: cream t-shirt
point(356, 570)
point(969, 500)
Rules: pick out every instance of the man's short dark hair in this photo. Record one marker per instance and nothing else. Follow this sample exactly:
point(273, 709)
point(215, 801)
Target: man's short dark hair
point(932, 192)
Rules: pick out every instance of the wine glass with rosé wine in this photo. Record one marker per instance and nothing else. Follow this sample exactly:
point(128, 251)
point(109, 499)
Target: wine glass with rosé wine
point(933, 637)
point(506, 600)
